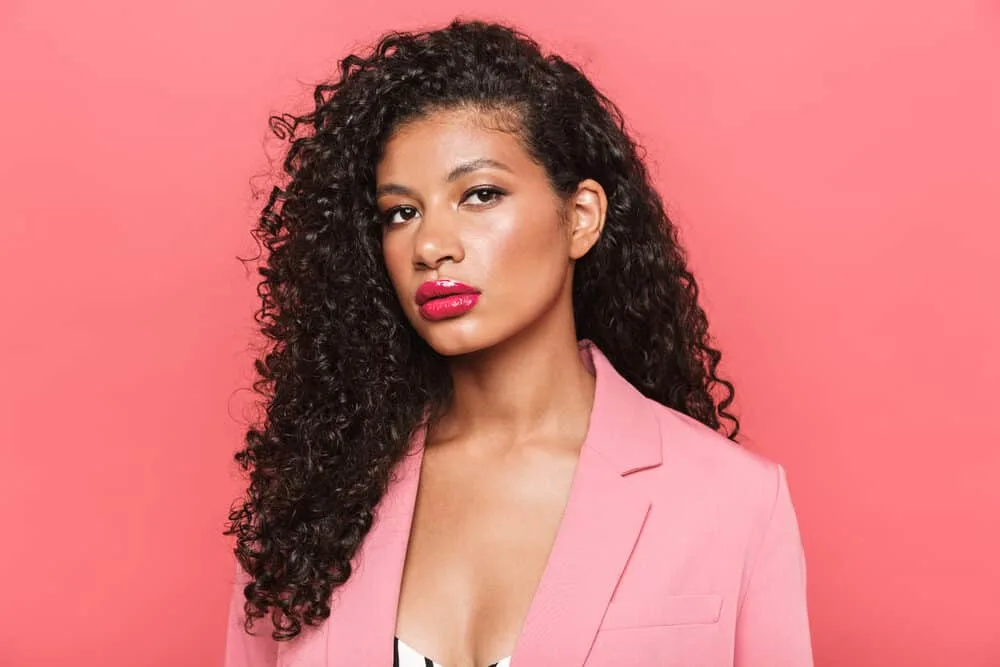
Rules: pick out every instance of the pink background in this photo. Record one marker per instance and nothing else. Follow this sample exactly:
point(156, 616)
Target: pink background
point(835, 168)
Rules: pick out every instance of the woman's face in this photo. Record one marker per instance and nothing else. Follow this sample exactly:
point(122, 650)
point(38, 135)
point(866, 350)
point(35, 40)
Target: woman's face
point(478, 245)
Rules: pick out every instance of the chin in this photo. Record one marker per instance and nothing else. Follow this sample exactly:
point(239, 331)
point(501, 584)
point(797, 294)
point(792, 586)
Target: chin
point(453, 338)
point(454, 346)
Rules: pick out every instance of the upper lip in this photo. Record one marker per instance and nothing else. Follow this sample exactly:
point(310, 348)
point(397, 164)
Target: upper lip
point(433, 289)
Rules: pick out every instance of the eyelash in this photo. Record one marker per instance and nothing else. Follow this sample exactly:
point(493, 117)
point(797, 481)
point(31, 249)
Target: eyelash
point(496, 193)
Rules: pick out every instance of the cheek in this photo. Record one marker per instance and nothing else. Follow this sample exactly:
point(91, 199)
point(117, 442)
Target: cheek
point(527, 250)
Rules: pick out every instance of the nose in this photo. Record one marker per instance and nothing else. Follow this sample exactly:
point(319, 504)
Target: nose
point(437, 240)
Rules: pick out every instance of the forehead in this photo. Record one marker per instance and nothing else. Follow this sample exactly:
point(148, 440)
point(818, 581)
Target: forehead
point(430, 146)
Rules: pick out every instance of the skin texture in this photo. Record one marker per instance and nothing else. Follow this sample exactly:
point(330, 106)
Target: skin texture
point(500, 459)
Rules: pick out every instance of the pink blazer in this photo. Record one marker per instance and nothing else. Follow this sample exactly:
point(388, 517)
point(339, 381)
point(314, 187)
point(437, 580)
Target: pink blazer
point(677, 548)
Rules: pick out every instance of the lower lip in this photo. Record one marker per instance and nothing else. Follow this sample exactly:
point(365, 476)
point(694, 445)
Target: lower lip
point(446, 307)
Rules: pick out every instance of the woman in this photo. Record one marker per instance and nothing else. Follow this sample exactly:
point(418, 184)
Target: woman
point(491, 435)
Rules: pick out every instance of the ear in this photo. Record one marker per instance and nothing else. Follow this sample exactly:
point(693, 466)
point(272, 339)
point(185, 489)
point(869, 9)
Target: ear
point(586, 209)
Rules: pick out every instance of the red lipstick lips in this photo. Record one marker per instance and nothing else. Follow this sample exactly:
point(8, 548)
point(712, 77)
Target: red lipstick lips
point(443, 299)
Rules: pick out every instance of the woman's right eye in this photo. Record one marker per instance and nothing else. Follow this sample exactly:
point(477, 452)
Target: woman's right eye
point(407, 213)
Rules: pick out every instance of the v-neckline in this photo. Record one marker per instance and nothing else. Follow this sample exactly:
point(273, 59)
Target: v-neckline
point(603, 518)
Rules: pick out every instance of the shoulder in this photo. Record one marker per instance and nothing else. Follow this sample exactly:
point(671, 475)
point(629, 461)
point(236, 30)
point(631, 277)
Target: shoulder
point(703, 471)
point(715, 510)
point(688, 442)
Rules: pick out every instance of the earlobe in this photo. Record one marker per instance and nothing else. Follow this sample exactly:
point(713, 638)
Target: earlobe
point(588, 209)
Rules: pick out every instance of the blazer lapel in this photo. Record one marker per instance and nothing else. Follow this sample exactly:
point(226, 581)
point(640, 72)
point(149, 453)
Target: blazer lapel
point(363, 618)
point(602, 521)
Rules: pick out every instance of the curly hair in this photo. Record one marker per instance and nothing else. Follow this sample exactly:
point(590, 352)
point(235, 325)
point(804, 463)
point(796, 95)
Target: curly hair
point(346, 380)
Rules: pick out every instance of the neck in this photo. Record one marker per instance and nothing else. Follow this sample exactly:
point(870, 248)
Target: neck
point(530, 388)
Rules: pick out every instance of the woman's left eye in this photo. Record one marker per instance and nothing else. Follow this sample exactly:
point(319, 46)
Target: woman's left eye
point(485, 195)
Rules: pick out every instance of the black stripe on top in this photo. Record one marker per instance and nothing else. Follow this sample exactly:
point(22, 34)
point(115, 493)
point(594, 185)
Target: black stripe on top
point(427, 661)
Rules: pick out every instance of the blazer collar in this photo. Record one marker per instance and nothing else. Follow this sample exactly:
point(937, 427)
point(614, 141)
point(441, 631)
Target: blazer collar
point(603, 518)
point(623, 427)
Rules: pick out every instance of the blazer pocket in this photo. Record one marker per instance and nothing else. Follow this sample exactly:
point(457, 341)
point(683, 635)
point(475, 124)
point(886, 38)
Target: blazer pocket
point(665, 610)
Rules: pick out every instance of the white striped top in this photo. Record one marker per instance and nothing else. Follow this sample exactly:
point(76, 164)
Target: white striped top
point(405, 656)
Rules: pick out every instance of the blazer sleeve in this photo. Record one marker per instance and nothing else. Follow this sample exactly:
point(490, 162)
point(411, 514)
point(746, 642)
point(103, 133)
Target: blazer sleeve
point(242, 649)
point(772, 625)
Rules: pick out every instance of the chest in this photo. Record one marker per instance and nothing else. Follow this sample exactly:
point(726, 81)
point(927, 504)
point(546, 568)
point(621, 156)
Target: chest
point(478, 546)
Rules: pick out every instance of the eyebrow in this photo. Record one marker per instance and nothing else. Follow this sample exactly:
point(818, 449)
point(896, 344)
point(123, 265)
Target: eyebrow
point(453, 175)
